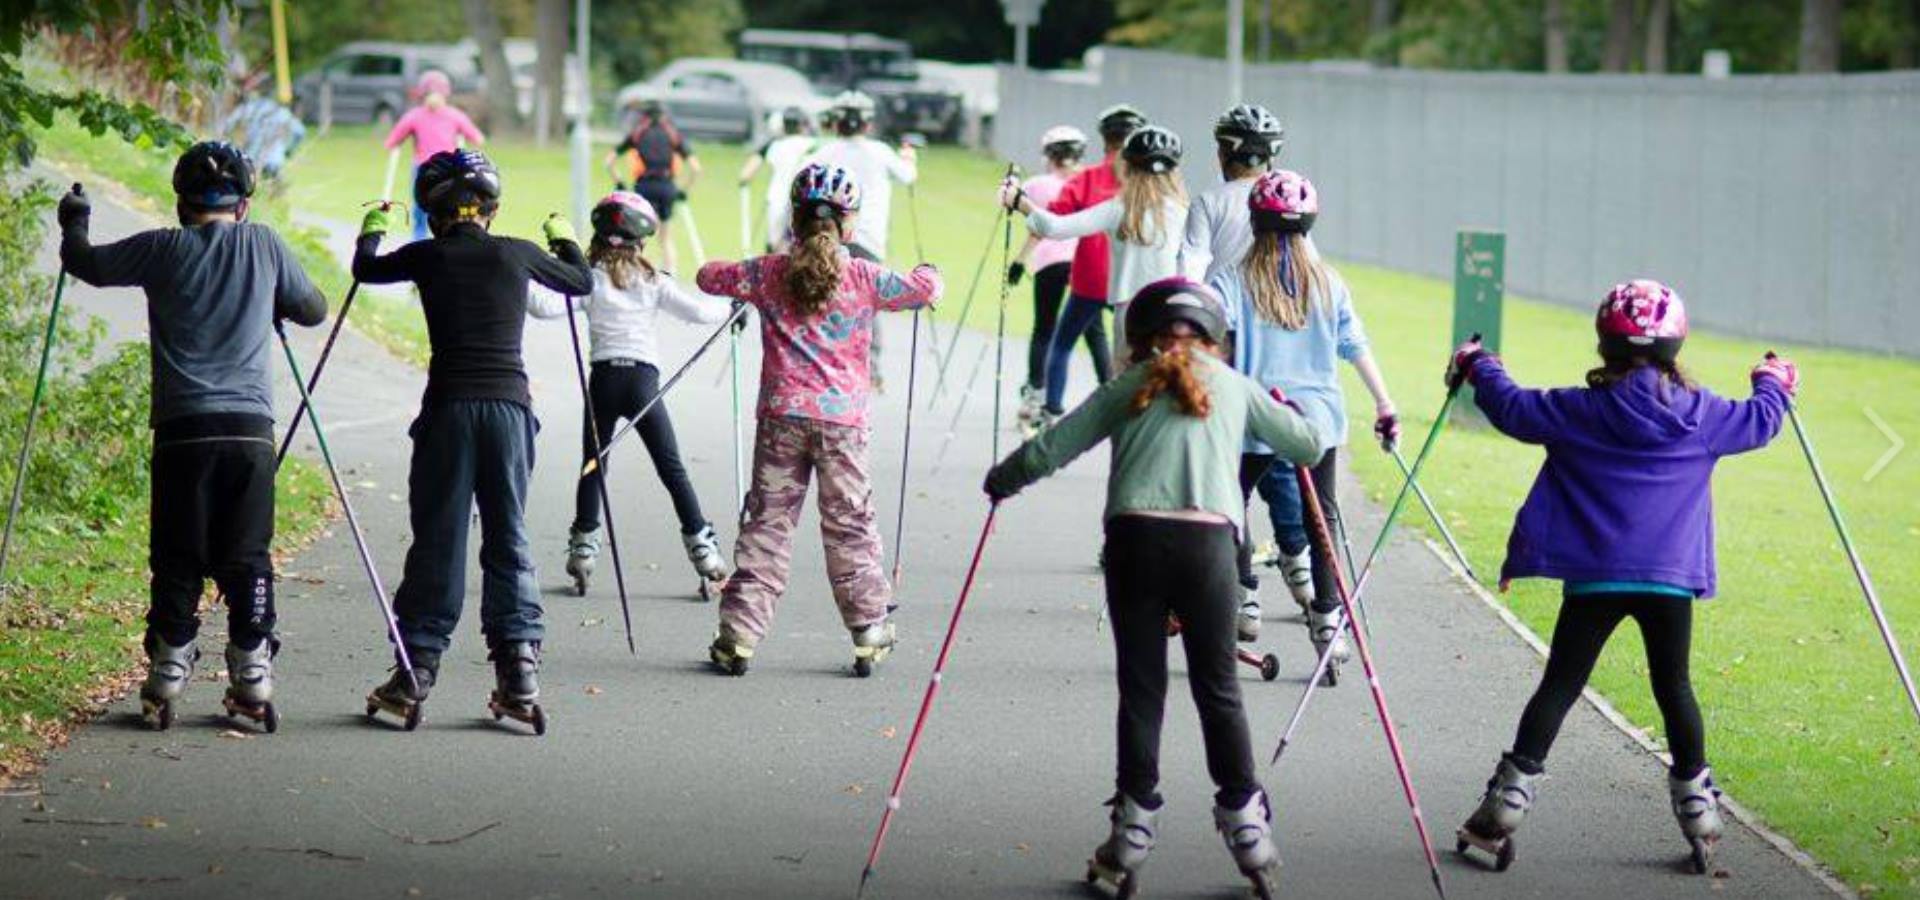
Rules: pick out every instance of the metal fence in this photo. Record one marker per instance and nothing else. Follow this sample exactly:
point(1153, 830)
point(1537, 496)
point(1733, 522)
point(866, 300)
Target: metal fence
point(1781, 207)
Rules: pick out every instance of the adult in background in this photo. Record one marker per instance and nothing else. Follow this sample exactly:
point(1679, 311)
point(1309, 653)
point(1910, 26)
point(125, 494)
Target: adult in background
point(875, 166)
point(782, 157)
point(651, 159)
point(435, 127)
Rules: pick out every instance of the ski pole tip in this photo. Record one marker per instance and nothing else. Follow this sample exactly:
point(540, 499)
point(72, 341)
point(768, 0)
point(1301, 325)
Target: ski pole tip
point(861, 891)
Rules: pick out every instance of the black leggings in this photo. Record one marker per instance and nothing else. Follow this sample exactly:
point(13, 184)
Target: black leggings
point(1155, 568)
point(1666, 626)
point(1049, 291)
point(619, 388)
point(1282, 494)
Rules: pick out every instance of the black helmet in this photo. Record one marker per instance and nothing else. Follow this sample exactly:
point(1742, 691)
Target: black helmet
point(1249, 134)
point(1117, 122)
point(457, 182)
point(1176, 299)
point(852, 111)
point(213, 175)
point(1152, 148)
point(793, 120)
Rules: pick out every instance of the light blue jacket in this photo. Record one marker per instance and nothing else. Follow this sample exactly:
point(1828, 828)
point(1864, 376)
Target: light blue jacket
point(1305, 363)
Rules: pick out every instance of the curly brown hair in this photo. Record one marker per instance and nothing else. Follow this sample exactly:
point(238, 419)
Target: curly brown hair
point(624, 265)
point(1172, 371)
point(1616, 369)
point(814, 265)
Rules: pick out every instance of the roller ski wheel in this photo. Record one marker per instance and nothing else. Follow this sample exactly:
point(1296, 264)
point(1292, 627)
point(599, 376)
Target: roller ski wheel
point(872, 644)
point(525, 713)
point(1696, 807)
point(264, 714)
point(407, 711)
point(157, 715)
point(1331, 679)
point(1265, 882)
point(1500, 848)
point(730, 654)
point(1269, 667)
point(1113, 882)
point(169, 671)
point(404, 698)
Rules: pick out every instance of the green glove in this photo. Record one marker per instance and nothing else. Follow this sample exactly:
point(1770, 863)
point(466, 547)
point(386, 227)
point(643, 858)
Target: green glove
point(379, 221)
point(558, 229)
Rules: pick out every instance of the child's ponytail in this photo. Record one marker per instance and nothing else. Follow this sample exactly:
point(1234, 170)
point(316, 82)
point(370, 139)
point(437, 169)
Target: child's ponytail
point(1171, 370)
point(624, 265)
point(814, 265)
point(1282, 277)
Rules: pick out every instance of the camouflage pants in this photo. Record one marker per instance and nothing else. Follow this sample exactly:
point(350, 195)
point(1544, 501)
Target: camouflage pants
point(787, 454)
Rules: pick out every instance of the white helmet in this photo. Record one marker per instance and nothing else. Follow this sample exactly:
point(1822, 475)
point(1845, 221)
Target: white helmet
point(1062, 135)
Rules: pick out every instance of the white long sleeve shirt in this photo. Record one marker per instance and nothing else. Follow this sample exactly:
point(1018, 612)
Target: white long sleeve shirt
point(875, 167)
point(621, 323)
point(1133, 266)
point(1219, 231)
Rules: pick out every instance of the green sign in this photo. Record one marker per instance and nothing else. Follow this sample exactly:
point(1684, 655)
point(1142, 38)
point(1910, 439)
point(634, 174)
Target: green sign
point(1479, 284)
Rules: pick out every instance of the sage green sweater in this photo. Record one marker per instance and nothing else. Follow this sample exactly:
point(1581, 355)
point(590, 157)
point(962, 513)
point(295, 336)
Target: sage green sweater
point(1163, 459)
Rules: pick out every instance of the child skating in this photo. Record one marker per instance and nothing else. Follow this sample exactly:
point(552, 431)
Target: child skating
point(1051, 262)
point(435, 127)
point(473, 439)
point(1143, 226)
point(1177, 419)
point(1294, 323)
point(1246, 138)
point(628, 296)
point(1622, 514)
point(215, 288)
point(817, 307)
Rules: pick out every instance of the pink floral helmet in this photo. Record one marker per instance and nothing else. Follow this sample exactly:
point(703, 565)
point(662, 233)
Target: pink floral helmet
point(1641, 317)
point(1283, 201)
point(433, 81)
point(624, 218)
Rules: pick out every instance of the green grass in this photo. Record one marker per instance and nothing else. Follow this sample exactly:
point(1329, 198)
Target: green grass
point(70, 626)
point(1806, 723)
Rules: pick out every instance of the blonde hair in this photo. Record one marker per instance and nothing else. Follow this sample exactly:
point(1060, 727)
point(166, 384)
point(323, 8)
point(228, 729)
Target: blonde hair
point(1146, 195)
point(1283, 276)
point(814, 265)
point(1171, 370)
point(624, 265)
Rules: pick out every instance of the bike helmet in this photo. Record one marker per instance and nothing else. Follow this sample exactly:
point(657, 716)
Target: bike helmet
point(853, 110)
point(624, 217)
point(1641, 318)
point(1283, 201)
point(1116, 122)
point(457, 183)
point(1248, 134)
point(1176, 299)
point(825, 191)
point(434, 81)
point(1152, 148)
point(1063, 142)
point(793, 120)
point(213, 175)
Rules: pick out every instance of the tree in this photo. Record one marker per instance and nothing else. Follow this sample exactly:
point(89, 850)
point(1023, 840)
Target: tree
point(1659, 17)
point(172, 49)
point(1619, 52)
point(484, 26)
point(1382, 16)
point(1820, 35)
point(1553, 27)
point(551, 18)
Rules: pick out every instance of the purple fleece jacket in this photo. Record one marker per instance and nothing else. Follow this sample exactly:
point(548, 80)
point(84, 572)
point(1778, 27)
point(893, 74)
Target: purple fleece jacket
point(1625, 493)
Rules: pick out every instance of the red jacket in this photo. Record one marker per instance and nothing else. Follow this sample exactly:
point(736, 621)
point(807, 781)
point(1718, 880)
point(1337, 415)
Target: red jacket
point(1088, 188)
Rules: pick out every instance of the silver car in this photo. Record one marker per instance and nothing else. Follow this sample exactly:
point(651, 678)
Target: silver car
point(723, 99)
point(373, 81)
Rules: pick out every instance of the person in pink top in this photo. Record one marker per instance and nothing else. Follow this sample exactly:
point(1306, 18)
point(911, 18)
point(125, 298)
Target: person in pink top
point(435, 127)
point(1051, 262)
point(817, 305)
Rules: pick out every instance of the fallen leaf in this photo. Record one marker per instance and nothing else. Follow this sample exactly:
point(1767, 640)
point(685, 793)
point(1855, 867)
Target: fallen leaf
point(854, 789)
point(154, 822)
point(233, 735)
point(595, 690)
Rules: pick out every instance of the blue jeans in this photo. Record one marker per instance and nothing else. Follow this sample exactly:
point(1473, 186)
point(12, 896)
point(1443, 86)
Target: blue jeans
point(1082, 316)
point(1275, 481)
point(468, 451)
point(420, 230)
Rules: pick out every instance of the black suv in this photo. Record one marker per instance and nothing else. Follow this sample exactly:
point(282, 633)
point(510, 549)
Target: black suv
point(882, 68)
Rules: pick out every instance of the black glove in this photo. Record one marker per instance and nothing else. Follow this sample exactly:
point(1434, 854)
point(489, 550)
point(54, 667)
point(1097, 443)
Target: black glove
point(620, 185)
point(75, 210)
point(1015, 272)
point(680, 194)
point(999, 485)
point(1460, 365)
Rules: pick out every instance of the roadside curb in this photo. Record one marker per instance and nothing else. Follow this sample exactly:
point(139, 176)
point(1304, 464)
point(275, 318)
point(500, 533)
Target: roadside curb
point(1746, 817)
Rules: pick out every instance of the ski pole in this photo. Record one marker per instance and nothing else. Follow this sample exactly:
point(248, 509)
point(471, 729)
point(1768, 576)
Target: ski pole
point(906, 449)
point(326, 351)
point(606, 494)
point(1000, 334)
point(746, 222)
point(966, 307)
point(1366, 576)
point(1853, 558)
point(1446, 534)
point(393, 164)
point(1323, 539)
point(739, 309)
point(693, 235)
point(926, 702)
point(346, 506)
point(33, 412)
point(733, 360)
point(960, 410)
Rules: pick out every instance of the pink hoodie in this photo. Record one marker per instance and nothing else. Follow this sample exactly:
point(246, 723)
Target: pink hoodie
point(433, 131)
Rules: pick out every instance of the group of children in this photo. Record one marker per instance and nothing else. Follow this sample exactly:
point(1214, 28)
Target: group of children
point(1229, 327)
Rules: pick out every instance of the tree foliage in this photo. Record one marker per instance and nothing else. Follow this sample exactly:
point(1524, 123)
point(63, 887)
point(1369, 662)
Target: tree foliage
point(956, 30)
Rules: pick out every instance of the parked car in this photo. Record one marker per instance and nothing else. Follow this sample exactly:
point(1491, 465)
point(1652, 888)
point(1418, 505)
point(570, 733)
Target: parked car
point(883, 68)
point(979, 88)
point(523, 58)
point(724, 99)
point(373, 81)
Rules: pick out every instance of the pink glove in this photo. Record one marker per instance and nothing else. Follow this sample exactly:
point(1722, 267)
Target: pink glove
point(1460, 368)
point(1779, 369)
point(1386, 428)
point(1010, 194)
point(1279, 396)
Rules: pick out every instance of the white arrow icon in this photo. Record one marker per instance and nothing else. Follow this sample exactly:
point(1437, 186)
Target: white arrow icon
point(1886, 459)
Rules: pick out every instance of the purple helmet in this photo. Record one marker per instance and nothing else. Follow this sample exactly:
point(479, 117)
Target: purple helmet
point(1283, 201)
point(1641, 317)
